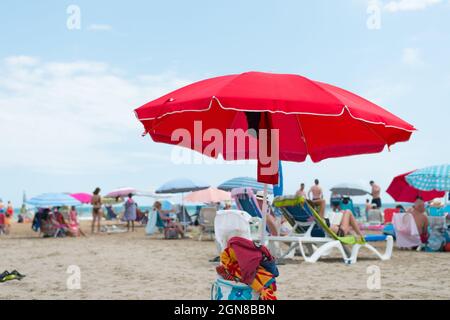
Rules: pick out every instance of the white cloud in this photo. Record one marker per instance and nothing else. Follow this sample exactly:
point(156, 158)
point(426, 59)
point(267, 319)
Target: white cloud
point(409, 5)
point(100, 27)
point(15, 61)
point(69, 117)
point(412, 57)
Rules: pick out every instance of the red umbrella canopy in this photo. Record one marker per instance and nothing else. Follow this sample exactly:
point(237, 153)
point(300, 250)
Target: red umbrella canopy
point(313, 118)
point(401, 191)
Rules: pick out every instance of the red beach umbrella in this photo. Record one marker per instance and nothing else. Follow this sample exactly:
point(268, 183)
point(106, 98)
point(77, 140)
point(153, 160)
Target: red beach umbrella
point(312, 118)
point(401, 191)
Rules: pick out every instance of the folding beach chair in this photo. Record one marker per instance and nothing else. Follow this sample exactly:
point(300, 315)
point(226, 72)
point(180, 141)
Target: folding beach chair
point(347, 204)
point(50, 226)
point(206, 221)
point(323, 245)
point(184, 217)
point(246, 201)
point(374, 217)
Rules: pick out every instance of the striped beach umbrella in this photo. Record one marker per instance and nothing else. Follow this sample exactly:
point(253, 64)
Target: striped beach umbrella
point(53, 200)
point(431, 178)
point(243, 182)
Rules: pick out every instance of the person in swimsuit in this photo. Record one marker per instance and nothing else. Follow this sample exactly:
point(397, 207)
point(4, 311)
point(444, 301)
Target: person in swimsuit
point(301, 192)
point(346, 225)
point(96, 202)
point(418, 212)
point(315, 194)
point(167, 219)
point(376, 191)
point(272, 224)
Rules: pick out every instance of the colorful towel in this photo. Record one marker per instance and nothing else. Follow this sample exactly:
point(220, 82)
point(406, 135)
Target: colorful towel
point(263, 282)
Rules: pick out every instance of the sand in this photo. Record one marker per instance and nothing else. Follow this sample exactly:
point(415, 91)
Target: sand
point(135, 266)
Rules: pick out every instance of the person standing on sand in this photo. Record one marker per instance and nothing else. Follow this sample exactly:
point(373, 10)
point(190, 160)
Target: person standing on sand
point(376, 191)
point(315, 194)
point(130, 212)
point(96, 202)
point(301, 192)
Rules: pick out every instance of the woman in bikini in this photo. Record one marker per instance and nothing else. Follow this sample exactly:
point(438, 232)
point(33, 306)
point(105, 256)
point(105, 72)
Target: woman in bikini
point(96, 202)
point(345, 223)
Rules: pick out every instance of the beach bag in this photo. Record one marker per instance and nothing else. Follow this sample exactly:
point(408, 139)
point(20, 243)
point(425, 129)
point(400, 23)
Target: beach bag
point(231, 290)
point(436, 242)
point(170, 233)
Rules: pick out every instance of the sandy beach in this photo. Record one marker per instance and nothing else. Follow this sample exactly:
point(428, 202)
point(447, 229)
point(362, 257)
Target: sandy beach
point(135, 266)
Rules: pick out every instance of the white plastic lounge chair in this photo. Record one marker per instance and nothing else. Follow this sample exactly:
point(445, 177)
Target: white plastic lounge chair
point(246, 201)
point(231, 222)
point(323, 245)
point(206, 220)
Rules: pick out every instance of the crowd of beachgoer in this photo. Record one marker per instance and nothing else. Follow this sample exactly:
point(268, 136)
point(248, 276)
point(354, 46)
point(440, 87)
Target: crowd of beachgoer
point(63, 221)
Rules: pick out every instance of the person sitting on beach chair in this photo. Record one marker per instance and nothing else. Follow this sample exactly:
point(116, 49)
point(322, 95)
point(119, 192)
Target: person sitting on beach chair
point(169, 222)
point(420, 217)
point(72, 225)
point(343, 223)
point(49, 225)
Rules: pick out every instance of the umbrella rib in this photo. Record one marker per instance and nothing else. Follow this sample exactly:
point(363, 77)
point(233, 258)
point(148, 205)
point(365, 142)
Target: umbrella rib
point(303, 133)
point(376, 134)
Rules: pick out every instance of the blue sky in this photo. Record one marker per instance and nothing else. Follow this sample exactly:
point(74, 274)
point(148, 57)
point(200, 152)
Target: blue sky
point(66, 96)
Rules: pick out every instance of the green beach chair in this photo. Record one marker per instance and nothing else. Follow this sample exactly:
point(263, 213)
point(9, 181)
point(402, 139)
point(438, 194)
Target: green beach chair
point(323, 243)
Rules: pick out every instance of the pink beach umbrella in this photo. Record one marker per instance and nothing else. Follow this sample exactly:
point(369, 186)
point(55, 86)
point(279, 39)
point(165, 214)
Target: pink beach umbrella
point(121, 192)
point(82, 197)
point(208, 195)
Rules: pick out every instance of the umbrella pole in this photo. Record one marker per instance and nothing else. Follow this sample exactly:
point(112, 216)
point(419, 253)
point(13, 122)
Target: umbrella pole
point(184, 214)
point(264, 212)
